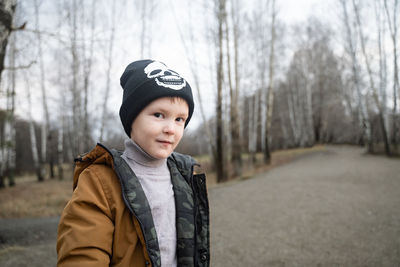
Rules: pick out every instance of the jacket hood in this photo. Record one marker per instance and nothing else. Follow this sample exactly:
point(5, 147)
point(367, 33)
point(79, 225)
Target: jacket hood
point(99, 155)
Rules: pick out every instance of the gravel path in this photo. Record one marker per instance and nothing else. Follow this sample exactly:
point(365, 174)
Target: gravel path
point(338, 208)
point(334, 208)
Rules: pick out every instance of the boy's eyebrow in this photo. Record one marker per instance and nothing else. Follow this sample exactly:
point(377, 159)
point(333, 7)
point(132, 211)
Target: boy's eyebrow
point(183, 114)
point(162, 109)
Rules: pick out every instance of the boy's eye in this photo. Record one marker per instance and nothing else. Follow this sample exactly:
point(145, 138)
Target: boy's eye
point(158, 115)
point(180, 119)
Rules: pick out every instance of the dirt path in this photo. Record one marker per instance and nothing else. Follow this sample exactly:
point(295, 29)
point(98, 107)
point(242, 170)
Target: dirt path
point(336, 208)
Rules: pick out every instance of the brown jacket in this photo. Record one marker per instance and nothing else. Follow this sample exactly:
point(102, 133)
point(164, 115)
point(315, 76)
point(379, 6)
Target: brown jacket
point(108, 220)
point(96, 228)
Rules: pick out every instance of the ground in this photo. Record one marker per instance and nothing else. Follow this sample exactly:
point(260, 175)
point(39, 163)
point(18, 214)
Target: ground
point(334, 207)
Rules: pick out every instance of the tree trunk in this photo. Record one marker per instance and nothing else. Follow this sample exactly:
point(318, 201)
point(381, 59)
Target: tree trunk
point(364, 120)
point(110, 61)
point(253, 133)
point(7, 11)
point(45, 136)
point(219, 161)
point(236, 144)
point(76, 136)
point(270, 90)
point(393, 33)
point(371, 80)
point(87, 70)
point(32, 134)
point(60, 158)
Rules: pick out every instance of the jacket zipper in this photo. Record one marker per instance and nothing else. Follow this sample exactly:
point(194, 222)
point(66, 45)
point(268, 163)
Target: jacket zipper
point(195, 215)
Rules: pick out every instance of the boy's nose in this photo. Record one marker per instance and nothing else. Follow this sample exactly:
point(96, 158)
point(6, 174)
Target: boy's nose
point(169, 127)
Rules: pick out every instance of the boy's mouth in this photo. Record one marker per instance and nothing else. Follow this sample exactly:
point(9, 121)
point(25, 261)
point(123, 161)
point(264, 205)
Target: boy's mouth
point(165, 142)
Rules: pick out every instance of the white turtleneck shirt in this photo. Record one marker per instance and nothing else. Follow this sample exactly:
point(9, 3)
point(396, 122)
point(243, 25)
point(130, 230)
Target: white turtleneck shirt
point(155, 178)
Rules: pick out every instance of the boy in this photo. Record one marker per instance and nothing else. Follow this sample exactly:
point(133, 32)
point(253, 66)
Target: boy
point(144, 207)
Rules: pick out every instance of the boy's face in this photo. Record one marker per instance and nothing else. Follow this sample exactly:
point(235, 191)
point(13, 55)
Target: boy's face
point(159, 126)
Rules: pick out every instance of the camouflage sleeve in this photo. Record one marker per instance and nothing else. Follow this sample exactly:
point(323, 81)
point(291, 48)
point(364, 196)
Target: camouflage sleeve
point(85, 231)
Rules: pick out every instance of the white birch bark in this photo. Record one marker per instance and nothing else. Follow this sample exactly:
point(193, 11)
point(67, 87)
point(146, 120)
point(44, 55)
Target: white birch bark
point(109, 67)
point(7, 9)
point(362, 101)
point(76, 137)
point(32, 133)
point(270, 89)
point(382, 92)
point(147, 8)
point(10, 136)
point(373, 89)
point(189, 45)
point(392, 22)
point(87, 71)
point(46, 124)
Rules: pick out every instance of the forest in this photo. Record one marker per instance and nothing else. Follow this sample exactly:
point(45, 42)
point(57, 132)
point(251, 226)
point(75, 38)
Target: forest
point(261, 83)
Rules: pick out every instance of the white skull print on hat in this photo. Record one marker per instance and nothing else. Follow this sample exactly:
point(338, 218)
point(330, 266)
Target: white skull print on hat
point(164, 76)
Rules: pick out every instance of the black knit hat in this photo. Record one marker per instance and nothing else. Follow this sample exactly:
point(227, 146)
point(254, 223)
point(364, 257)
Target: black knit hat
point(146, 80)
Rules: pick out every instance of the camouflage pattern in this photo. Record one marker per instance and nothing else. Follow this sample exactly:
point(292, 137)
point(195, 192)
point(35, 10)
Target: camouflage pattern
point(136, 201)
point(192, 214)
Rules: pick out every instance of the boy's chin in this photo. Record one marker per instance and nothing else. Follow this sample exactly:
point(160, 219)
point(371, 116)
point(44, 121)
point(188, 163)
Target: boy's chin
point(161, 154)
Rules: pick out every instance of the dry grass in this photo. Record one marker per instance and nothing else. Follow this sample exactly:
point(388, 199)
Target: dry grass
point(30, 198)
point(34, 199)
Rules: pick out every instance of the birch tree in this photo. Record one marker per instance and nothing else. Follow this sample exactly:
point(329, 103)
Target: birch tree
point(109, 67)
point(270, 89)
point(75, 132)
point(189, 42)
point(260, 38)
point(220, 13)
point(32, 133)
point(146, 14)
point(7, 9)
point(373, 89)
point(362, 101)
point(10, 141)
point(236, 146)
point(7, 155)
point(45, 129)
point(393, 26)
point(87, 72)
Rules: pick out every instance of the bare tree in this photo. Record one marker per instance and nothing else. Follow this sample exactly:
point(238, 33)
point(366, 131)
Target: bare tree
point(146, 9)
point(373, 89)
point(109, 67)
point(236, 146)
point(260, 40)
point(220, 157)
point(7, 143)
point(253, 113)
point(270, 89)
point(392, 22)
point(32, 134)
point(189, 44)
point(10, 140)
point(87, 71)
point(7, 10)
point(75, 137)
point(362, 106)
point(45, 132)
